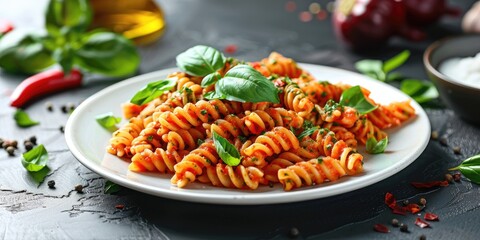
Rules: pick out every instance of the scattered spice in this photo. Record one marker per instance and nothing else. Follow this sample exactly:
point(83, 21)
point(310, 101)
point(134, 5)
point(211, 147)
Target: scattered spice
point(430, 217)
point(456, 150)
point(64, 109)
point(51, 184)
point(71, 107)
point(423, 201)
point(413, 208)
point(403, 227)
point(381, 228)
point(28, 145)
point(120, 206)
point(79, 188)
point(457, 177)
point(1, 142)
point(62, 129)
point(231, 49)
point(422, 224)
point(33, 139)
point(395, 222)
point(422, 237)
point(294, 232)
point(443, 141)
point(449, 177)
point(405, 202)
point(5, 144)
point(10, 151)
point(429, 184)
point(270, 184)
point(434, 135)
point(14, 143)
point(49, 106)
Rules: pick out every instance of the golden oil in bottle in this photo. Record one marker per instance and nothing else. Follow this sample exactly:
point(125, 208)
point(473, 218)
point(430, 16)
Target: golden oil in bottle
point(142, 21)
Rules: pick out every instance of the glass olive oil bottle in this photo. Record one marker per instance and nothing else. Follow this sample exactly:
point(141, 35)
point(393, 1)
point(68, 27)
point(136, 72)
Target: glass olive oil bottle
point(142, 21)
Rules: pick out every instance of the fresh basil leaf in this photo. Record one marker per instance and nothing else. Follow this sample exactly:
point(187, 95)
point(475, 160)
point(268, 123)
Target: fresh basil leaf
point(243, 83)
point(307, 132)
point(67, 15)
point(111, 187)
point(394, 76)
point(372, 68)
point(35, 159)
point(353, 97)
point(375, 147)
point(152, 91)
point(107, 53)
point(210, 79)
point(108, 121)
point(227, 152)
point(40, 175)
point(420, 91)
point(470, 168)
point(23, 119)
point(64, 57)
point(22, 52)
point(200, 60)
point(214, 95)
point(396, 61)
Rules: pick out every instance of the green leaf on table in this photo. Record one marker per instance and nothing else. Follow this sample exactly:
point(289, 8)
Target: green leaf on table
point(470, 168)
point(40, 175)
point(35, 159)
point(353, 97)
point(210, 79)
point(108, 121)
point(243, 83)
point(200, 60)
point(395, 62)
point(64, 16)
point(23, 119)
point(107, 53)
point(371, 68)
point(152, 91)
point(420, 91)
point(227, 151)
point(111, 187)
point(374, 147)
point(394, 76)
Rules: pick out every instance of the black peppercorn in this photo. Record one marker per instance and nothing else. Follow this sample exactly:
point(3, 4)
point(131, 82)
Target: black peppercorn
point(28, 145)
point(294, 232)
point(49, 106)
point(33, 139)
point(403, 227)
point(422, 237)
point(62, 129)
point(11, 151)
point(395, 222)
point(456, 150)
point(443, 141)
point(51, 184)
point(64, 109)
point(79, 188)
point(405, 202)
point(14, 143)
point(1, 142)
point(457, 177)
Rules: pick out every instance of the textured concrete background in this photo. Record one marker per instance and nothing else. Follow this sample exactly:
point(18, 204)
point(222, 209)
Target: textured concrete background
point(257, 28)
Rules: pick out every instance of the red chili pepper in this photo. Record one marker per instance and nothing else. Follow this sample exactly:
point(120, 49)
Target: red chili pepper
point(419, 222)
point(430, 217)
point(381, 228)
point(44, 83)
point(390, 200)
point(430, 184)
point(5, 27)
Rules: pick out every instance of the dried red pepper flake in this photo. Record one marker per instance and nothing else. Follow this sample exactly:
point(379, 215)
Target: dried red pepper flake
point(399, 211)
point(422, 224)
point(429, 184)
point(413, 208)
point(381, 228)
point(231, 49)
point(390, 200)
point(430, 217)
point(120, 206)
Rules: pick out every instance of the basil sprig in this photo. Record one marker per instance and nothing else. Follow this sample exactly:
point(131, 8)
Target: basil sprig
point(152, 91)
point(200, 60)
point(111, 187)
point(353, 97)
point(375, 147)
point(108, 121)
point(68, 43)
point(470, 168)
point(23, 119)
point(420, 91)
point(382, 70)
point(35, 161)
point(243, 83)
point(227, 152)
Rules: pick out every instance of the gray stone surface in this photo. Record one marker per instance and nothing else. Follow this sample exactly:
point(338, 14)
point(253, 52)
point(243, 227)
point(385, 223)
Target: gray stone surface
point(28, 211)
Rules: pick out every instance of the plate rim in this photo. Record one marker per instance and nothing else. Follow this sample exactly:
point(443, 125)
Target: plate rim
point(242, 199)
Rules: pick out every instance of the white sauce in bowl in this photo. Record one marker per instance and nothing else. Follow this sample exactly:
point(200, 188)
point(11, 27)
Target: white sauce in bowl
point(463, 70)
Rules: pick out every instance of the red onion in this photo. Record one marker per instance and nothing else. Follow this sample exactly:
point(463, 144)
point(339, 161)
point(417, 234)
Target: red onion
point(426, 12)
point(365, 24)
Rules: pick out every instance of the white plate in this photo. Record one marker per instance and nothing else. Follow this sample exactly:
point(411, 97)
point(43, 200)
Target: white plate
point(87, 141)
